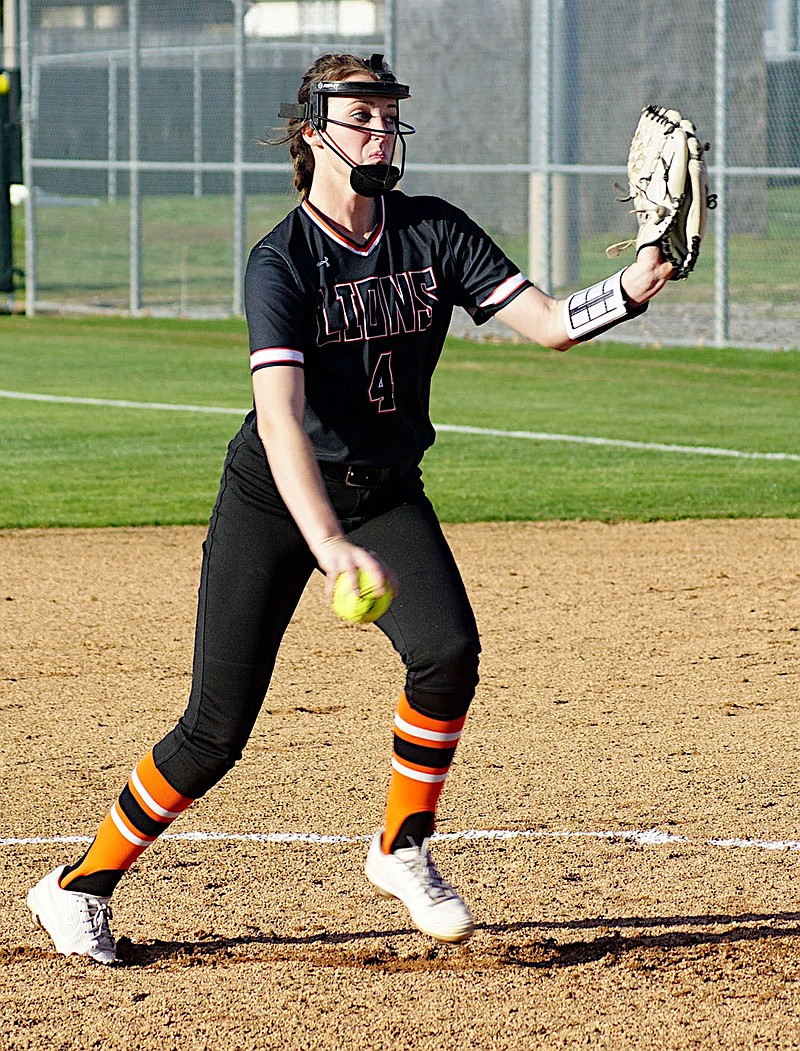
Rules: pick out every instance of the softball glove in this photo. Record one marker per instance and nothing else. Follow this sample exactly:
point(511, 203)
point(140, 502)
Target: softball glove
point(668, 185)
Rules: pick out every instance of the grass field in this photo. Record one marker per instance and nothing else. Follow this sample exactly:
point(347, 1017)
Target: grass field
point(68, 464)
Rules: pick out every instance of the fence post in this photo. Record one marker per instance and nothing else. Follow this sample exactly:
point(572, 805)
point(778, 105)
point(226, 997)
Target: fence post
point(197, 120)
point(722, 298)
point(134, 46)
point(113, 126)
point(238, 156)
point(565, 125)
point(540, 205)
point(390, 31)
point(28, 115)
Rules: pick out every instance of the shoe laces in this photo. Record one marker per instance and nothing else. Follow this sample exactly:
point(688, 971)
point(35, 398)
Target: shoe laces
point(423, 868)
point(97, 916)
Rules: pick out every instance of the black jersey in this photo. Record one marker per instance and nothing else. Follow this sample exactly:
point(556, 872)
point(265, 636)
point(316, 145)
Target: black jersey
point(367, 322)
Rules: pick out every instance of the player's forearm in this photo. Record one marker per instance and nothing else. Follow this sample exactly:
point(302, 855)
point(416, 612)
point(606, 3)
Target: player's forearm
point(299, 482)
point(537, 317)
point(561, 323)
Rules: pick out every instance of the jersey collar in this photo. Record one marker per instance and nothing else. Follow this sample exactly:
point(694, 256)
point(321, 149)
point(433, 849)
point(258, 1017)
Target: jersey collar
point(319, 220)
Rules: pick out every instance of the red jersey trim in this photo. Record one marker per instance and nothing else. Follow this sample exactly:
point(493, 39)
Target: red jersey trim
point(318, 219)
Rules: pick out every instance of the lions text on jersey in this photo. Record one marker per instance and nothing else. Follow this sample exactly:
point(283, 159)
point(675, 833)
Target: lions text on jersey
point(367, 322)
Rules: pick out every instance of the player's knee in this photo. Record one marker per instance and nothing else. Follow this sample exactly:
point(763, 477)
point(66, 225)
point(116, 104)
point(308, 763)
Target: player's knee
point(442, 687)
point(193, 765)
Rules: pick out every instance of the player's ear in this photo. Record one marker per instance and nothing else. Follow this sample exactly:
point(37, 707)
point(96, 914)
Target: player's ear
point(312, 137)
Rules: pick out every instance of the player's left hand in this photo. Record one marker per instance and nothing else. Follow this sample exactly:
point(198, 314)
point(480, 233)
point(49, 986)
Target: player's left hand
point(647, 275)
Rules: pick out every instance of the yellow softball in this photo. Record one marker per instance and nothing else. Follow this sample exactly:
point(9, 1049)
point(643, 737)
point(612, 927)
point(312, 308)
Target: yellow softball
point(360, 607)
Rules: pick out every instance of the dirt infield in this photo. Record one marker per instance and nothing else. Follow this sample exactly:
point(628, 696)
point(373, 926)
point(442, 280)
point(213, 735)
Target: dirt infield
point(636, 726)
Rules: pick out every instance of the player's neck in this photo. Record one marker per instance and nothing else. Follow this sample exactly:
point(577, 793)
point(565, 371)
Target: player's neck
point(350, 213)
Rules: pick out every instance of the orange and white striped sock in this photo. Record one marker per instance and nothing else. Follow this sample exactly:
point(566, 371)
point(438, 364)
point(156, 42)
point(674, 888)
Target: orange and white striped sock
point(421, 757)
point(145, 809)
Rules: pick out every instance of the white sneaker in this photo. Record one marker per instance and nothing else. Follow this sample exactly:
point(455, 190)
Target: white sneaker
point(77, 923)
point(410, 875)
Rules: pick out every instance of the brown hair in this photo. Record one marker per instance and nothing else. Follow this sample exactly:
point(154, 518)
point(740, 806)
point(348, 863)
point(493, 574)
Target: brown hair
point(326, 67)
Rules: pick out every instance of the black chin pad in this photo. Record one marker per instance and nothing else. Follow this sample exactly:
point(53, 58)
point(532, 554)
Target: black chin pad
point(372, 180)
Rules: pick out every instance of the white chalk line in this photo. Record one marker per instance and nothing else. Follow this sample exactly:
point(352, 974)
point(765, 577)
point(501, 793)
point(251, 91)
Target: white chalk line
point(116, 403)
point(622, 443)
point(445, 428)
point(639, 837)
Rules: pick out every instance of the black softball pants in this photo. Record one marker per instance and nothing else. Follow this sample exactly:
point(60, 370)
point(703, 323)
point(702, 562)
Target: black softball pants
point(256, 565)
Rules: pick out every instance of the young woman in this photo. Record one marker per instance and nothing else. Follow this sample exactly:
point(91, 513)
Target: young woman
point(348, 303)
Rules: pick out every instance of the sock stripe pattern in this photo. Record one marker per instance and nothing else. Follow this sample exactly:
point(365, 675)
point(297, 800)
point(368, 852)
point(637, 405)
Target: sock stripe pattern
point(117, 815)
point(147, 800)
point(409, 731)
point(423, 750)
point(145, 808)
point(135, 822)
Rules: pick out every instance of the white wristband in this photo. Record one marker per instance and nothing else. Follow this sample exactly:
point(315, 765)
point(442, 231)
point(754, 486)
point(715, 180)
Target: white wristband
point(593, 310)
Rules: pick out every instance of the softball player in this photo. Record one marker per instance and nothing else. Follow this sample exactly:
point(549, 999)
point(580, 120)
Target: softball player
point(348, 303)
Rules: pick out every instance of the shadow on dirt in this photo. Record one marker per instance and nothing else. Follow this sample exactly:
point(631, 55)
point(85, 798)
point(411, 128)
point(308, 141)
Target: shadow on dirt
point(494, 945)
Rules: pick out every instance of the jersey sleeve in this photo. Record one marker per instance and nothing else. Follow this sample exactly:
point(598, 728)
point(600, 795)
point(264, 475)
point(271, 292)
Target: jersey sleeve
point(488, 279)
point(275, 309)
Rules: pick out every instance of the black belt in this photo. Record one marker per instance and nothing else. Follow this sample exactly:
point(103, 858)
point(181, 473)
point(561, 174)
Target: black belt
point(361, 477)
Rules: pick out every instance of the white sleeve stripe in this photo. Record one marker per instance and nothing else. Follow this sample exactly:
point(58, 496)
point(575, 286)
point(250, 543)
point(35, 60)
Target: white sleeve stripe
point(275, 356)
point(596, 308)
point(504, 290)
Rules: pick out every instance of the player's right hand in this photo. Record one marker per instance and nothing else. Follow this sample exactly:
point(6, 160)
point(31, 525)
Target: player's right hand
point(336, 555)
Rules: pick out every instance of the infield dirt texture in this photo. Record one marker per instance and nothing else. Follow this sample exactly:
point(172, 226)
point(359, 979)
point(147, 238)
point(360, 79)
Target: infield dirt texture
point(634, 678)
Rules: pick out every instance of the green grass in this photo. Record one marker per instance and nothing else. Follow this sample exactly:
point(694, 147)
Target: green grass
point(187, 249)
point(75, 465)
point(187, 254)
point(79, 465)
point(749, 401)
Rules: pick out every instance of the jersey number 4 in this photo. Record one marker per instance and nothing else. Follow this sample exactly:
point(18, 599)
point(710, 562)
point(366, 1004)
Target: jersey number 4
point(381, 386)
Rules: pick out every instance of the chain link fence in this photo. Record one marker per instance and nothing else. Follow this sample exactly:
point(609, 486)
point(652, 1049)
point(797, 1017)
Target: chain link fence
point(147, 176)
